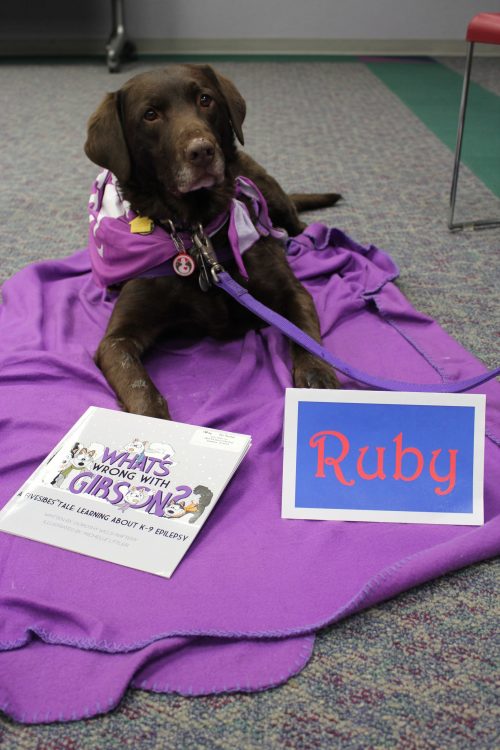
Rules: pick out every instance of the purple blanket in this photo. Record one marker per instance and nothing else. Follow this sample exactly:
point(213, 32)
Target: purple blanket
point(241, 610)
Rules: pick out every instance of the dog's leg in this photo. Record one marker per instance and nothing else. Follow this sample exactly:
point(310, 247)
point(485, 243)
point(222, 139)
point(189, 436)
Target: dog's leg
point(308, 370)
point(133, 327)
point(273, 283)
point(283, 208)
point(118, 356)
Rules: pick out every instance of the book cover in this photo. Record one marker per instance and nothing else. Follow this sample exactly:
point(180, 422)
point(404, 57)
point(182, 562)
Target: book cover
point(128, 489)
point(384, 456)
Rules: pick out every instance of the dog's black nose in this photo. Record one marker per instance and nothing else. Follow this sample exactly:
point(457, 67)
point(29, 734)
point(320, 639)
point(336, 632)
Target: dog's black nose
point(200, 151)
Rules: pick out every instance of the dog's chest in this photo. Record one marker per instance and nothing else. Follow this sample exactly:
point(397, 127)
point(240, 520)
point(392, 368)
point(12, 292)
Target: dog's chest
point(216, 314)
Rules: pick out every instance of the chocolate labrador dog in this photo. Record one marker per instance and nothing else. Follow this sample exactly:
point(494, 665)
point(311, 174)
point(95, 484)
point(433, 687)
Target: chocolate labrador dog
point(169, 138)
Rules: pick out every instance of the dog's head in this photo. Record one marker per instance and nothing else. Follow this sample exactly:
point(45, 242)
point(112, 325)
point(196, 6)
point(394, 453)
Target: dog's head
point(168, 133)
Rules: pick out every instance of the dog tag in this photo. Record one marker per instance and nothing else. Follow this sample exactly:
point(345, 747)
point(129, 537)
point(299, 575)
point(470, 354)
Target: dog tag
point(141, 225)
point(183, 264)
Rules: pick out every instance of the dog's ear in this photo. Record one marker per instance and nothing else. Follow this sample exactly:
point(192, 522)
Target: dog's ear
point(234, 100)
point(105, 143)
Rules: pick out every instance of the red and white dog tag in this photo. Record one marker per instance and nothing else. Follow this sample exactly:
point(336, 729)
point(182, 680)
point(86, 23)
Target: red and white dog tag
point(184, 264)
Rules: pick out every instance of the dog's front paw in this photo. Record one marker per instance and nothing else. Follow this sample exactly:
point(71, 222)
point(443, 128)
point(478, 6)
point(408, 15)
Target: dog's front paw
point(148, 405)
point(314, 373)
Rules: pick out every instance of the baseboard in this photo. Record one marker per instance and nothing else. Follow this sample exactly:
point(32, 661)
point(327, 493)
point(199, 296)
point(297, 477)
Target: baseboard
point(247, 47)
point(311, 47)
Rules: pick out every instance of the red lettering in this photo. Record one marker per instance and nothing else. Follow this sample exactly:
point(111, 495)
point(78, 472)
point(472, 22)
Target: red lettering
point(400, 452)
point(451, 477)
point(379, 474)
point(318, 441)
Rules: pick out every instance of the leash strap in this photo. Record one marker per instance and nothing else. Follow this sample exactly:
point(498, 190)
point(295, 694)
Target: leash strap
point(224, 281)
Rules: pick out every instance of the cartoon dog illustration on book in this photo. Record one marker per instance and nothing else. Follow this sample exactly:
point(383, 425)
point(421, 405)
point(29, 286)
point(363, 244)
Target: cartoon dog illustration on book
point(134, 496)
point(79, 459)
point(194, 506)
point(139, 447)
point(204, 499)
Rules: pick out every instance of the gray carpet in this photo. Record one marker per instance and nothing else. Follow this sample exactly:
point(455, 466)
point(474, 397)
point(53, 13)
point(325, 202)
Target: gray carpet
point(416, 672)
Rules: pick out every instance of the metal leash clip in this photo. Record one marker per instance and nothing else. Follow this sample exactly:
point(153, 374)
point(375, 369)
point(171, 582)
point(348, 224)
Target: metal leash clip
point(206, 257)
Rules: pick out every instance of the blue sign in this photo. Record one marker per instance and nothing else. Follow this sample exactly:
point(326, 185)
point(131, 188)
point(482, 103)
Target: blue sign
point(364, 455)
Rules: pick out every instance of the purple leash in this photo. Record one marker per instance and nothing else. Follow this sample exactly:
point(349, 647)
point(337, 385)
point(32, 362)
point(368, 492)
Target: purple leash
point(241, 295)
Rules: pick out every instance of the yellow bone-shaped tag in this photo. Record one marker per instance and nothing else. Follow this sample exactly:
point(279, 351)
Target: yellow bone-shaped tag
point(141, 225)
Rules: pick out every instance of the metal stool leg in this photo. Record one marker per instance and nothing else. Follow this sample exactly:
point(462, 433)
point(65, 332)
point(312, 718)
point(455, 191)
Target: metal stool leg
point(460, 133)
point(118, 47)
point(458, 152)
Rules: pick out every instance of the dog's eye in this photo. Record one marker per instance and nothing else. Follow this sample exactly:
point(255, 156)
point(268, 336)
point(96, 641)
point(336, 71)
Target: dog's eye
point(150, 115)
point(205, 100)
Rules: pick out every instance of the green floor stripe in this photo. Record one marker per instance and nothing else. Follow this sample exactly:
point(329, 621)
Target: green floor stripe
point(432, 91)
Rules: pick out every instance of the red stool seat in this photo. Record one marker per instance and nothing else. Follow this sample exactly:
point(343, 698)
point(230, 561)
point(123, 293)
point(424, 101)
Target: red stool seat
point(484, 28)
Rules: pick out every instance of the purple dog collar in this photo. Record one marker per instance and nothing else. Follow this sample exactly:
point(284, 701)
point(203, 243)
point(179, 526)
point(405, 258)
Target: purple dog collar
point(118, 254)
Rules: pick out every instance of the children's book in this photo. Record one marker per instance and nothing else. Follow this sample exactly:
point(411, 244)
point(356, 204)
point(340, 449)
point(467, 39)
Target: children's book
point(388, 457)
point(129, 489)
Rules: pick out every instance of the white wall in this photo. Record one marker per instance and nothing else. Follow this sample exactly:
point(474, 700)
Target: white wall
point(323, 19)
point(336, 20)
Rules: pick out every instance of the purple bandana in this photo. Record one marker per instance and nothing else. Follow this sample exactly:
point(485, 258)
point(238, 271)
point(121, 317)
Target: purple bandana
point(118, 254)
